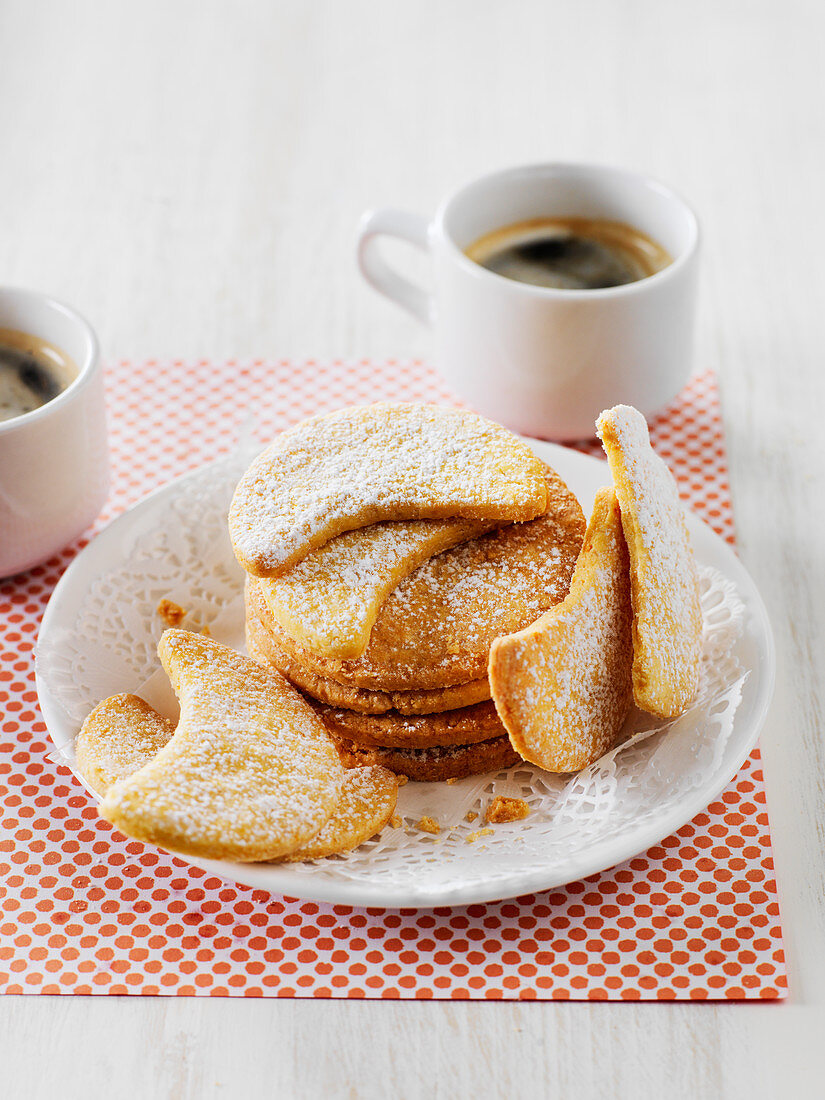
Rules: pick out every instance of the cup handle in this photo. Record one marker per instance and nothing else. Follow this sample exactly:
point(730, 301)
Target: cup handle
point(409, 227)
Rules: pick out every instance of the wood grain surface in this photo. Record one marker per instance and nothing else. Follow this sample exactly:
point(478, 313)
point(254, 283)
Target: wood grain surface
point(190, 175)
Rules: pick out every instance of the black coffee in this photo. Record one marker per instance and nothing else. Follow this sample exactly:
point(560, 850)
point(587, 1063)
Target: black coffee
point(32, 372)
point(570, 253)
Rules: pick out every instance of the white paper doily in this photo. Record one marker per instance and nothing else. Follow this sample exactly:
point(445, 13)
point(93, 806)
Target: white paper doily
point(99, 637)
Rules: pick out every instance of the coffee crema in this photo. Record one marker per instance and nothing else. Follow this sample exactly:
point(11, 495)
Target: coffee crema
point(570, 253)
point(32, 372)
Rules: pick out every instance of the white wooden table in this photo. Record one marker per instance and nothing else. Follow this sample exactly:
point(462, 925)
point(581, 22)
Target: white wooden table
point(190, 175)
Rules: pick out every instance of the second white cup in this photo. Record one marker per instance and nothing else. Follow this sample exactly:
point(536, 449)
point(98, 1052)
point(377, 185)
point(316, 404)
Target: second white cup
point(54, 463)
point(546, 361)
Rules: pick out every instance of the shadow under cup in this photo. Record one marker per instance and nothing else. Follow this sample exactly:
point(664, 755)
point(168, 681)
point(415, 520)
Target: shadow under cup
point(54, 468)
point(546, 361)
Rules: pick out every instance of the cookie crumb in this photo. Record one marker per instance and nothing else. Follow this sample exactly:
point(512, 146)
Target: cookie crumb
point(502, 810)
point(172, 613)
point(453, 781)
point(429, 825)
point(395, 821)
point(473, 837)
point(402, 780)
point(471, 816)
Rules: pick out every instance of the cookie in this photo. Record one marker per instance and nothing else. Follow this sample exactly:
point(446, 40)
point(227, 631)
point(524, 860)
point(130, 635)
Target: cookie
point(250, 773)
point(562, 686)
point(329, 601)
point(365, 464)
point(435, 628)
point(432, 765)
point(123, 733)
point(368, 797)
point(120, 735)
point(467, 725)
point(667, 614)
point(266, 650)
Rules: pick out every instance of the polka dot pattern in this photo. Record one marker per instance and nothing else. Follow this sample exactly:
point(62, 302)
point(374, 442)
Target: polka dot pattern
point(83, 910)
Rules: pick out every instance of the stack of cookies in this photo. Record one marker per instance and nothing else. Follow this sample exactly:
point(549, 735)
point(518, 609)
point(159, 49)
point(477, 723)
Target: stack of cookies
point(386, 548)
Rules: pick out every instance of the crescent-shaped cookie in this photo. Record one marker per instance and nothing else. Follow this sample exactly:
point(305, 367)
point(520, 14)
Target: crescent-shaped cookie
point(562, 686)
point(250, 773)
point(363, 465)
point(667, 614)
point(123, 733)
point(329, 601)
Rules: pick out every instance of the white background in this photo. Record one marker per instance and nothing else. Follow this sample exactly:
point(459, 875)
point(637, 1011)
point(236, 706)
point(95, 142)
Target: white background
point(190, 175)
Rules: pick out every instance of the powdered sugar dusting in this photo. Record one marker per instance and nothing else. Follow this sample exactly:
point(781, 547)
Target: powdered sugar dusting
point(250, 772)
point(265, 645)
point(368, 797)
point(120, 735)
point(562, 687)
point(664, 578)
point(329, 601)
point(436, 627)
point(388, 461)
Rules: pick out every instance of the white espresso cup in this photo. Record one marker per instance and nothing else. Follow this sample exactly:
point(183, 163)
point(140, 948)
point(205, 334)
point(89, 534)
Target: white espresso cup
point(546, 361)
point(54, 467)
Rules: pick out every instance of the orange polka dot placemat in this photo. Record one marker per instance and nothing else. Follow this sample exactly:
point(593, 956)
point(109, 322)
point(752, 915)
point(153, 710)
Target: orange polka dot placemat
point(82, 910)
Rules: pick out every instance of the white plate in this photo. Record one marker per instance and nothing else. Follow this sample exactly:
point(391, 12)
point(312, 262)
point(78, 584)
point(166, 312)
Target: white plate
point(104, 607)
